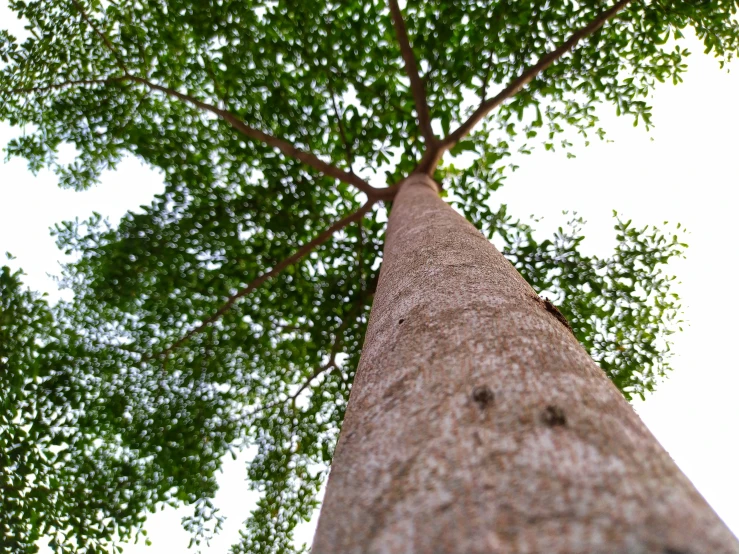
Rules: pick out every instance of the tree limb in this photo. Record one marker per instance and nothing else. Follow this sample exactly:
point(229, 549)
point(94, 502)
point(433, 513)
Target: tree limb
point(531, 73)
point(358, 83)
point(432, 156)
point(484, 90)
point(264, 277)
point(293, 328)
point(208, 68)
point(338, 338)
point(331, 364)
point(65, 84)
point(282, 145)
point(411, 68)
point(339, 117)
point(103, 36)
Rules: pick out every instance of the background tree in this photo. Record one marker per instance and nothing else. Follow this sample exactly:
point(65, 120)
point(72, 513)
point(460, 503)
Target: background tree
point(193, 331)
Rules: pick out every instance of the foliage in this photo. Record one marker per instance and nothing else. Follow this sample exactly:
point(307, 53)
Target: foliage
point(268, 120)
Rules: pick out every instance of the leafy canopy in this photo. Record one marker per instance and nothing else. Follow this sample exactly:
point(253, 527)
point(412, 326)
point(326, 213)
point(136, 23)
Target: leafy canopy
point(230, 312)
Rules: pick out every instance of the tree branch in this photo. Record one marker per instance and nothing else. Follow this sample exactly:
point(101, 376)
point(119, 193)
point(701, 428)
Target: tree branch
point(338, 338)
point(282, 145)
point(358, 83)
point(531, 73)
point(339, 117)
point(330, 364)
point(360, 246)
point(411, 68)
point(103, 36)
point(65, 84)
point(293, 328)
point(321, 370)
point(264, 277)
point(484, 90)
point(208, 68)
point(432, 156)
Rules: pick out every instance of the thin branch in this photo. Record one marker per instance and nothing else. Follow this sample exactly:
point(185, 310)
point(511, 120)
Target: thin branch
point(264, 277)
point(330, 364)
point(127, 348)
point(207, 66)
point(293, 328)
point(484, 91)
point(338, 339)
point(65, 84)
point(339, 117)
point(309, 59)
point(534, 19)
point(135, 110)
point(359, 83)
point(320, 371)
point(282, 145)
point(360, 246)
point(531, 73)
point(103, 36)
point(411, 68)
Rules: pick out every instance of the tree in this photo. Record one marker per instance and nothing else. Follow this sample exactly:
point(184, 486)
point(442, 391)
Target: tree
point(232, 310)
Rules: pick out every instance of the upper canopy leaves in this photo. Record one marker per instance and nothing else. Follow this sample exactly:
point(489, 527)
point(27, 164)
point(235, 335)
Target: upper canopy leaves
point(270, 122)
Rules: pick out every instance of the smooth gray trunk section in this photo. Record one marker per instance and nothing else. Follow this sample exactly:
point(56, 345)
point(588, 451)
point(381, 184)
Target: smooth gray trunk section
point(478, 424)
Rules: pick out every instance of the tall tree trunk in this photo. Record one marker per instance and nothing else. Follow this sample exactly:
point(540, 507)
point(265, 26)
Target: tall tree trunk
point(478, 424)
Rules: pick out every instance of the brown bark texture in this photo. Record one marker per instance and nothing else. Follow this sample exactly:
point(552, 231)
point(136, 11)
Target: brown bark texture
point(478, 424)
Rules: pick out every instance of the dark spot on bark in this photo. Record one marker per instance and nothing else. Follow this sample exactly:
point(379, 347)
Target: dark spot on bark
point(673, 551)
point(483, 396)
point(552, 416)
point(552, 309)
point(444, 507)
point(478, 440)
point(400, 321)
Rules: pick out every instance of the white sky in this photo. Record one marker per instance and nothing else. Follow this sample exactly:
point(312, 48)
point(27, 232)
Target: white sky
point(688, 173)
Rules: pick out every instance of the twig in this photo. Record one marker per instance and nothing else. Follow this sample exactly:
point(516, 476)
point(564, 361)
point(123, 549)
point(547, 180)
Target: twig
point(103, 37)
point(338, 339)
point(358, 83)
point(65, 84)
point(320, 371)
point(339, 122)
point(220, 93)
point(330, 364)
point(293, 328)
point(484, 90)
point(360, 246)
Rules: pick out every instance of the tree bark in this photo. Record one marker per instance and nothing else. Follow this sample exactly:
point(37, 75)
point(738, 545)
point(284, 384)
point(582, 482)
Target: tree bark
point(478, 424)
